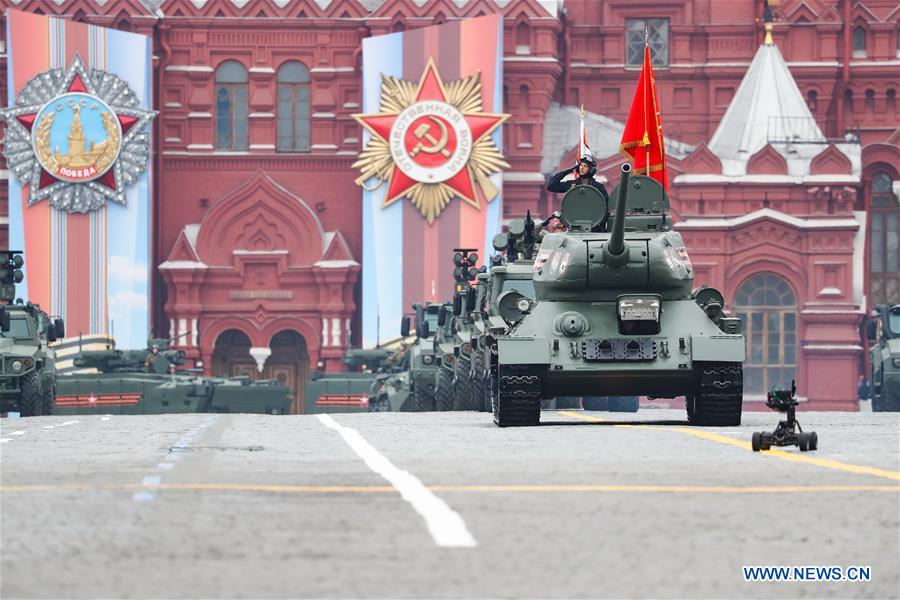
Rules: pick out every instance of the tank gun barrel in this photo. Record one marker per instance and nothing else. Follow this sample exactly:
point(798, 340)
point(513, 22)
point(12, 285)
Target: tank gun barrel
point(615, 252)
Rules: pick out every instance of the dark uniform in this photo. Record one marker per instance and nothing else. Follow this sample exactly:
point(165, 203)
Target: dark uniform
point(556, 184)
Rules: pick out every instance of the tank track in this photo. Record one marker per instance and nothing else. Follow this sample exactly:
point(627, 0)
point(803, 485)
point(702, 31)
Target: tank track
point(516, 396)
point(443, 395)
point(720, 395)
point(463, 394)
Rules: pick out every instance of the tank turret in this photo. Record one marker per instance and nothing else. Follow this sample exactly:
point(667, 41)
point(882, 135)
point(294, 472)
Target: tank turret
point(640, 254)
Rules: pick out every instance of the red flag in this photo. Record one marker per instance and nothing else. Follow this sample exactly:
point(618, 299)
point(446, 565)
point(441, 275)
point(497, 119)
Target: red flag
point(642, 140)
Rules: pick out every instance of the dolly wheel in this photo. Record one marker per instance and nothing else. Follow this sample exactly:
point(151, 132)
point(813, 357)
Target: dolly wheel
point(756, 442)
point(803, 440)
point(813, 441)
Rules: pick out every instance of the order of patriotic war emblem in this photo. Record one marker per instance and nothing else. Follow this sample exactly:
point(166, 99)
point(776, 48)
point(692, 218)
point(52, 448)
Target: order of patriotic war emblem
point(431, 142)
point(77, 138)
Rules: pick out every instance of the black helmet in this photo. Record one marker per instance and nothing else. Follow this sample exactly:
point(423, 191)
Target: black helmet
point(592, 166)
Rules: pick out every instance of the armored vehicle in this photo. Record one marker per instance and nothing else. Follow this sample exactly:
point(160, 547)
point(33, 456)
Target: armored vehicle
point(614, 314)
point(27, 363)
point(883, 329)
point(148, 381)
point(444, 358)
point(454, 386)
point(347, 391)
point(511, 269)
point(422, 366)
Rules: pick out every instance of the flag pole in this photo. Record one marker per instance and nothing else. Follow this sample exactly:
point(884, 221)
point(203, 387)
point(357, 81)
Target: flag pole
point(646, 139)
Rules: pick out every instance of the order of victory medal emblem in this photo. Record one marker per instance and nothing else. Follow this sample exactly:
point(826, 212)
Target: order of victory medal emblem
point(76, 138)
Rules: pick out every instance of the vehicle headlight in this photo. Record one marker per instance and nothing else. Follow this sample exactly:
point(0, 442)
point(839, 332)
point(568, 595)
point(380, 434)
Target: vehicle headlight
point(16, 365)
point(427, 359)
point(897, 362)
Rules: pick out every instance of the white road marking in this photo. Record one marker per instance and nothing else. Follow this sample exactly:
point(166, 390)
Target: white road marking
point(445, 524)
point(104, 418)
point(67, 423)
point(174, 454)
point(49, 426)
point(20, 432)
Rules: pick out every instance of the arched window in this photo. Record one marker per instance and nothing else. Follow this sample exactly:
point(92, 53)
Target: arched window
point(293, 107)
point(523, 38)
point(231, 106)
point(523, 96)
point(766, 305)
point(885, 240)
point(870, 100)
point(859, 42)
point(812, 98)
point(891, 100)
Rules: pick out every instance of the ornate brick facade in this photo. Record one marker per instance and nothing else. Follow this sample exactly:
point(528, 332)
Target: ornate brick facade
point(568, 55)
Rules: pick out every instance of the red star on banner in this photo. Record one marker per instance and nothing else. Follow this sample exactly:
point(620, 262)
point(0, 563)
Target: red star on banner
point(431, 88)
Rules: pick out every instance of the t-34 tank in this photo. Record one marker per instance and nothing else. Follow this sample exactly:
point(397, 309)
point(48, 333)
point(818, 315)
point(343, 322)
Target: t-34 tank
point(614, 315)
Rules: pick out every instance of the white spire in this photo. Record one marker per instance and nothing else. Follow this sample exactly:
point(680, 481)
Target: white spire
point(768, 107)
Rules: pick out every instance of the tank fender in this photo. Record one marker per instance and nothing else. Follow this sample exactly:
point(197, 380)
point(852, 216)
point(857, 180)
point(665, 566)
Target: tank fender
point(524, 351)
point(727, 348)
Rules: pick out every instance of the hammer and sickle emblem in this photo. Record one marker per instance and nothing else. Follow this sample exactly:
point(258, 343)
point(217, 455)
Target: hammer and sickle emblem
point(423, 132)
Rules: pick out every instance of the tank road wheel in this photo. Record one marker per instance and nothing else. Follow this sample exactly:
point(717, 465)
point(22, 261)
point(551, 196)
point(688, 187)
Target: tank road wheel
point(628, 404)
point(478, 392)
point(516, 396)
point(444, 394)
point(719, 395)
point(803, 440)
point(422, 400)
point(31, 403)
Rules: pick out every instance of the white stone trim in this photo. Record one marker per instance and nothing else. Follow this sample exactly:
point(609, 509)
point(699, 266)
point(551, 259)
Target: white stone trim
point(172, 105)
point(173, 140)
point(333, 70)
point(4, 174)
point(194, 332)
point(262, 146)
point(732, 222)
point(261, 70)
point(323, 147)
point(261, 115)
point(190, 68)
point(258, 252)
point(547, 59)
point(182, 264)
point(351, 105)
point(766, 179)
point(850, 347)
point(323, 115)
point(524, 176)
point(199, 147)
point(199, 115)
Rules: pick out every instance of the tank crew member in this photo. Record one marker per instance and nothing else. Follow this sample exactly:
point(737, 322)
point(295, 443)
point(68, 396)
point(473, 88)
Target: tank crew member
point(151, 358)
point(584, 175)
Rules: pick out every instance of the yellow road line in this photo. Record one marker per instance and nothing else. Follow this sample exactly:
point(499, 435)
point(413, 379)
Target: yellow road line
point(377, 489)
point(775, 453)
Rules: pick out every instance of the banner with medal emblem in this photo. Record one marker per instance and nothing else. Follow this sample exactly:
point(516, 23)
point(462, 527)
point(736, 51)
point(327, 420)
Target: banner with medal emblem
point(431, 163)
point(77, 145)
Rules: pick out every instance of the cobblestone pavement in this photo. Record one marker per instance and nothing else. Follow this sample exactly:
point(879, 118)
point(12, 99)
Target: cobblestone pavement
point(441, 505)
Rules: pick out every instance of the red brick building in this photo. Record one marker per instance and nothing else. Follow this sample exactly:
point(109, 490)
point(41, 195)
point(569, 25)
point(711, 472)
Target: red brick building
point(257, 233)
